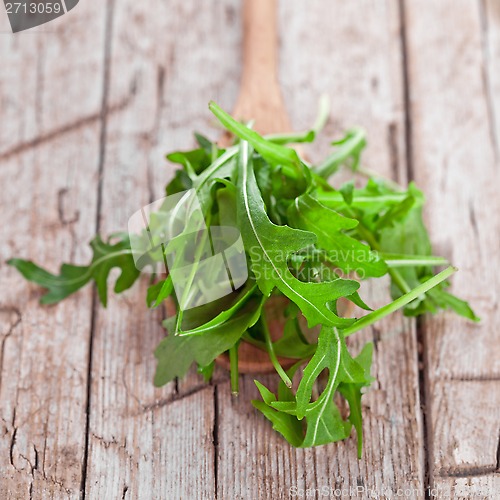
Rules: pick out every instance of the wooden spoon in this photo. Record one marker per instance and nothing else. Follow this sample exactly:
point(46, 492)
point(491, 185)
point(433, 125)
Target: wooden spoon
point(260, 95)
point(260, 99)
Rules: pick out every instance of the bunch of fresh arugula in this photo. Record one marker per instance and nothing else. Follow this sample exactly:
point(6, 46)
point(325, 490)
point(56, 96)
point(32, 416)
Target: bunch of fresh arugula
point(304, 240)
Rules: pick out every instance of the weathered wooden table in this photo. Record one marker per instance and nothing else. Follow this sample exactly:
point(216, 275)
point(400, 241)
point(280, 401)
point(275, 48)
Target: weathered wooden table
point(89, 105)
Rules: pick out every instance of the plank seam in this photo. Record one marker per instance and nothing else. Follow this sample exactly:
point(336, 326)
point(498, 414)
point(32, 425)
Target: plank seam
point(498, 453)
point(102, 156)
point(216, 442)
point(467, 472)
point(422, 362)
point(13, 311)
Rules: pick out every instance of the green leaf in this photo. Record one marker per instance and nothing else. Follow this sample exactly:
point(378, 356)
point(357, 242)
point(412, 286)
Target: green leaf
point(352, 393)
point(287, 425)
point(347, 253)
point(372, 200)
point(358, 301)
point(158, 292)
point(447, 300)
point(176, 353)
point(273, 153)
point(207, 371)
point(396, 212)
point(348, 150)
point(247, 292)
point(71, 278)
point(347, 191)
point(324, 423)
point(293, 344)
point(331, 354)
point(270, 246)
point(196, 159)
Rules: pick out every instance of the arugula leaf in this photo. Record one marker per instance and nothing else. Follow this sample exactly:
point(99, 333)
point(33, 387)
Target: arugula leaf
point(207, 371)
point(324, 423)
point(447, 300)
point(332, 354)
point(71, 278)
point(287, 425)
point(158, 292)
point(176, 353)
point(293, 344)
point(246, 293)
point(269, 247)
point(352, 392)
point(345, 252)
point(275, 154)
point(347, 190)
point(349, 148)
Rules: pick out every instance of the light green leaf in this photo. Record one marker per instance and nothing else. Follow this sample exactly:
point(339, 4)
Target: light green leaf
point(347, 253)
point(158, 292)
point(273, 153)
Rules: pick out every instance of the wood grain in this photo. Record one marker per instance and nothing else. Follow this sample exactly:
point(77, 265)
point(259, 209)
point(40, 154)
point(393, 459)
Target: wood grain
point(89, 108)
point(490, 21)
point(48, 173)
point(454, 140)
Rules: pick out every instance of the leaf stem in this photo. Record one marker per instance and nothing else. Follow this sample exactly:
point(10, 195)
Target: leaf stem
point(233, 363)
point(272, 354)
point(352, 145)
point(396, 260)
point(374, 316)
point(194, 268)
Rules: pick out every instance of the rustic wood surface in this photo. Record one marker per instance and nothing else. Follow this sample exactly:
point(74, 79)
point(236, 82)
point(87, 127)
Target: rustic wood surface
point(90, 104)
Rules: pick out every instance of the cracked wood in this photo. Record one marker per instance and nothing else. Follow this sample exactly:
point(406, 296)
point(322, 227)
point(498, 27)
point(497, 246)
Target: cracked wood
point(45, 350)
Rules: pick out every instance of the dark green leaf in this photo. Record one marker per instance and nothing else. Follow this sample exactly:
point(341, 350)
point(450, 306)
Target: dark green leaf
point(176, 353)
point(270, 246)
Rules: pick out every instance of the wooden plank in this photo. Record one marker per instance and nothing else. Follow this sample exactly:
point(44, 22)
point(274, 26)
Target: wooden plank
point(463, 452)
point(47, 98)
point(46, 180)
point(454, 142)
point(484, 487)
point(490, 17)
point(325, 48)
point(143, 441)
